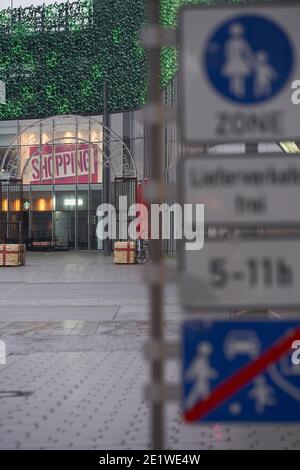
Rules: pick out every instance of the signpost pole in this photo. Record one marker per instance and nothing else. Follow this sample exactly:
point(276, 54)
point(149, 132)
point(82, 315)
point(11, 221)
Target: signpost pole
point(157, 182)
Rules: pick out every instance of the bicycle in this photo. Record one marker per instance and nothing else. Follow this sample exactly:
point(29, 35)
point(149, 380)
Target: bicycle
point(142, 251)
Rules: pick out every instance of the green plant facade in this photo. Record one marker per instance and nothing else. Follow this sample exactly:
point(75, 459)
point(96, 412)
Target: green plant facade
point(54, 59)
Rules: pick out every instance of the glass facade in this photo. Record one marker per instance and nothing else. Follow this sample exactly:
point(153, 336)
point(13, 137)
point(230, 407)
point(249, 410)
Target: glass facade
point(60, 161)
point(54, 216)
point(12, 217)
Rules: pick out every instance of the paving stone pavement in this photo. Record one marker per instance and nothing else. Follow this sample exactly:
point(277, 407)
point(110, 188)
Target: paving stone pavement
point(78, 385)
point(82, 286)
point(74, 377)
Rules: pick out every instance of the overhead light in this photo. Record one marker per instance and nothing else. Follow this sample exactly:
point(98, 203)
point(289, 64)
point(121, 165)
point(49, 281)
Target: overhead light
point(72, 202)
point(290, 147)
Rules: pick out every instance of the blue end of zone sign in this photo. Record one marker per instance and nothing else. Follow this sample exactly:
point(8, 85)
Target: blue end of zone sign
point(241, 371)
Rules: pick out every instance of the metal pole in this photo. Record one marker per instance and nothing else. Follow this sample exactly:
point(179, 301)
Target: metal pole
point(106, 151)
point(156, 181)
point(53, 184)
point(41, 152)
point(8, 211)
point(89, 185)
point(30, 212)
point(76, 187)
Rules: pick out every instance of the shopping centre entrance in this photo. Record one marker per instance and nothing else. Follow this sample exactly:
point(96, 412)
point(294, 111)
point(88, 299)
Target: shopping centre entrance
point(60, 161)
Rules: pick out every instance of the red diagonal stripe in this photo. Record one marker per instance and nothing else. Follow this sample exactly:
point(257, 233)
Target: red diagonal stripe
point(242, 377)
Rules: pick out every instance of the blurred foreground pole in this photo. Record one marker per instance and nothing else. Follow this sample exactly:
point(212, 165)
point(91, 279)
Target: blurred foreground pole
point(157, 183)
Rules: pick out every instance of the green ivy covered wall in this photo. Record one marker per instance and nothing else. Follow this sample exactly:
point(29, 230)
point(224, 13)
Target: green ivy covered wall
point(54, 59)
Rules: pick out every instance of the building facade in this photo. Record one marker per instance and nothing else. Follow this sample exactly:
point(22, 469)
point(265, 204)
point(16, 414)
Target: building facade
point(56, 61)
point(60, 162)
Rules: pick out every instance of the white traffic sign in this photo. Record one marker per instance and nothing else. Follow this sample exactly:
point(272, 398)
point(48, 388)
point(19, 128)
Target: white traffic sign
point(241, 190)
point(237, 68)
point(242, 274)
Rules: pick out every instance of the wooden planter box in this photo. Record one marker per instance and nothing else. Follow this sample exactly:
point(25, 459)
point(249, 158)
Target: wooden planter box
point(12, 255)
point(124, 253)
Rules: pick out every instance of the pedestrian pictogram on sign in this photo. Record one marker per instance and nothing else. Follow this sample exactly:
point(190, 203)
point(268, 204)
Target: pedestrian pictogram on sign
point(248, 59)
point(241, 371)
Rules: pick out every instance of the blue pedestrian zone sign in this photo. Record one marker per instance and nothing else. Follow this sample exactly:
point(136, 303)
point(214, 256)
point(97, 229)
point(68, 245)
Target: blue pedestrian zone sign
point(241, 371)
point(248, 59)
